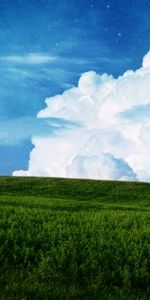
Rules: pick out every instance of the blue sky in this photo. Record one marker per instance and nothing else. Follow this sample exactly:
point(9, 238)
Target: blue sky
point(44, 48)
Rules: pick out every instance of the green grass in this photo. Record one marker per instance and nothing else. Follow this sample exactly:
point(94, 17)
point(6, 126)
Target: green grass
point(74, 239)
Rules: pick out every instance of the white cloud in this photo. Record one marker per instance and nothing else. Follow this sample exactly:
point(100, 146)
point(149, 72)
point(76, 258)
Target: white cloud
point(33, 58)
point(109, 142)
point(104, 166)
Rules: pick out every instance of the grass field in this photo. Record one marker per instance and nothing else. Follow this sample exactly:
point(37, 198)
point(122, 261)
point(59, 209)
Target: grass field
point(74, 239)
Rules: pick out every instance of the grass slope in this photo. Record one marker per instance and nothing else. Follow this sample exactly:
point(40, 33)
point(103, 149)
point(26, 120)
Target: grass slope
point(74, 239)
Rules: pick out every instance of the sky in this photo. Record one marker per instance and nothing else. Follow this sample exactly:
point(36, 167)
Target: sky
point(49, 48)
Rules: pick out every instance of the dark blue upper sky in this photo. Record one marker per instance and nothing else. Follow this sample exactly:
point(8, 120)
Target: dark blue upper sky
point(44, 47)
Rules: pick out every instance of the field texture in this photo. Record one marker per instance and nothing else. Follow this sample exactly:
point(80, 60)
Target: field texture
point(74, 239)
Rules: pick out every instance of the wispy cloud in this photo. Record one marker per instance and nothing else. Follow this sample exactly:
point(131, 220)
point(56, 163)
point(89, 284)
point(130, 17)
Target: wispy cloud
point(31, 125)
point(14, 133)
point(34, 58)
point(18, 72)
point(45, 58)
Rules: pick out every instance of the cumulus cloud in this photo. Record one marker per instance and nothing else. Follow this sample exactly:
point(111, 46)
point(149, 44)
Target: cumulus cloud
point(103, 166)
point(110, 136)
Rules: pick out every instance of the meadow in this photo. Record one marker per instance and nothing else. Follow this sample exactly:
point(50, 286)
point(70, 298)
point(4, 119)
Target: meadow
point(74, 239)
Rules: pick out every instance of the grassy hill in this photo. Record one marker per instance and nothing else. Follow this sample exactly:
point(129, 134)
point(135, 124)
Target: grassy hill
point(74, 239)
